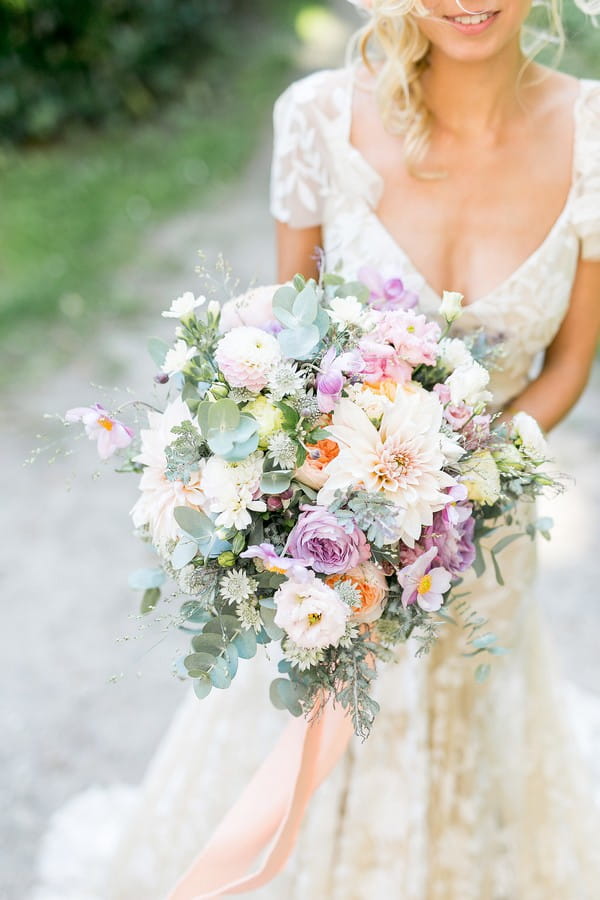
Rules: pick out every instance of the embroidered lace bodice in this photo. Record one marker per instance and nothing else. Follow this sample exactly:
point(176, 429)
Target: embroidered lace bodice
point(320, 178)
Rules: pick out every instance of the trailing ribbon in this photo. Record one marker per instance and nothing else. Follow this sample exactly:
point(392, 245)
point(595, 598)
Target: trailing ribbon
point(270, 810)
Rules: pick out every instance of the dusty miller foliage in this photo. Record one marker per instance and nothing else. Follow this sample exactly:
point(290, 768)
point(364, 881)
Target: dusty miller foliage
point(184, 454)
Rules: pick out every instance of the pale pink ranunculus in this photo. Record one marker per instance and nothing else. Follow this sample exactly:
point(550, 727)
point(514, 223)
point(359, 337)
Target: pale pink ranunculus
point(255, 308)
point(110, 434)
point(414, 338)
point(311, 613)
point(246, 356)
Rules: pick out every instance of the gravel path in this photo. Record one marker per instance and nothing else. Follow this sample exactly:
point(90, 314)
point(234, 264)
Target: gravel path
point(84, 697)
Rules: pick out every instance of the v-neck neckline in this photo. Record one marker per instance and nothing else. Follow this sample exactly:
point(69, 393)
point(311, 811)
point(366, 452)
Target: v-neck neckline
point(376, 178)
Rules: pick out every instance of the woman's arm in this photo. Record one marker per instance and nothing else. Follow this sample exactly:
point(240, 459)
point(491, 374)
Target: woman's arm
point(296, 251)
point(570, 355)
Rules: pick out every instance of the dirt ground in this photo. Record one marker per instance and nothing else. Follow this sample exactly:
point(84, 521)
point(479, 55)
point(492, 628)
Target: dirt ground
point(86, 692)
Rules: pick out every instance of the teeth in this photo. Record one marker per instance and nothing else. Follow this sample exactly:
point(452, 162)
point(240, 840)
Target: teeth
point(472, 20)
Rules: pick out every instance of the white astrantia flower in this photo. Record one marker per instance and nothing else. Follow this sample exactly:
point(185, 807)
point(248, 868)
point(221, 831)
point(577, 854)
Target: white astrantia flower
point(282, 450)
point(231, 489)
point(285, 381)
point(468, 383)
point(451, 306)
point(345, 311)
point(249, 614)
point(184, 306)
point(178, 357)
point(402, 458)
point(454, 353)
point(529, 437)
point(236, 586)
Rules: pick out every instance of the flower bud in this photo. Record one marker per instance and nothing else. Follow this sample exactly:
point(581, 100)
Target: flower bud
point(226, 560)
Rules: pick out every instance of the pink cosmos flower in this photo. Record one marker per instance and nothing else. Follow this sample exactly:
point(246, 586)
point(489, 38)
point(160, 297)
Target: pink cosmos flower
point(293, 568)
point(110, 434)
point(412, 336)
point(331, 381)
point(389, 293)
point(424, 585)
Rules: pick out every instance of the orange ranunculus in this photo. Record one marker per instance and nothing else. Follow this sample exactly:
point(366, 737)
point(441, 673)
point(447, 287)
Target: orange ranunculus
point(312, 471)
point(370, 582)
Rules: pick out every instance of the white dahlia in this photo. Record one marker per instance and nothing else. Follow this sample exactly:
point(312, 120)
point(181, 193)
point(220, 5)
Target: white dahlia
point(402, 459)
point(159, 496)
point(247, 356)
point(232, 489)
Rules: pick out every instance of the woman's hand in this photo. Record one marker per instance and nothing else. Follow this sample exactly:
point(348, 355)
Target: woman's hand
point(569, 357)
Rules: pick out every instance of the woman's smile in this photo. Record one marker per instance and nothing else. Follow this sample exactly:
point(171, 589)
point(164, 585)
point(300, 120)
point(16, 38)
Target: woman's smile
point(473, 23)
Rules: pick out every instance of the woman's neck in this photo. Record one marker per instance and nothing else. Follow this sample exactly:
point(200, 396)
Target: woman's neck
point(473, 99)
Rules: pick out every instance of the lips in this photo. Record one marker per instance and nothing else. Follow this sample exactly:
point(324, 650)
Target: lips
point(473, 23)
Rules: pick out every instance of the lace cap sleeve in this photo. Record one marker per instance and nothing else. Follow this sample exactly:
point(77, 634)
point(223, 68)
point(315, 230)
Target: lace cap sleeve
point(586, 212)
point(299, 178)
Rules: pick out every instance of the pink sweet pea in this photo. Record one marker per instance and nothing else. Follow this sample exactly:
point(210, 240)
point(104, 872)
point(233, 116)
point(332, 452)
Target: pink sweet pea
point(387, 293)
point(382, 363)
point(456, 415)
point(100, 426)
point(423, 585)
point(330, 380)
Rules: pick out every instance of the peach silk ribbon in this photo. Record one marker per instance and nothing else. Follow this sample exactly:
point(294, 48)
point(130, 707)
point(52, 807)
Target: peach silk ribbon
point(270, 810)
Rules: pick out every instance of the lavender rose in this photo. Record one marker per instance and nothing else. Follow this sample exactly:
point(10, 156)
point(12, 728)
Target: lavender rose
point(324, 544)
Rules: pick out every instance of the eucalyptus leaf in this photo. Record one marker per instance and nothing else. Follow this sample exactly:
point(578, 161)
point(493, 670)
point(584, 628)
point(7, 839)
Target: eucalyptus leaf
point(299, 282)
point(149, 600)
point(276, 482)
point(157, 349)
point(224, 415)
point(226, 625)
point(497, 570)
point(284, 695)
point(194, 522)
point(202, 686)
point(231, 658)
point(482, 672)
point(245, 644)
point(484, 640)
point(142, 579)
point(183, 553)
point(306, 305)
point(354, 289)
point(479, 561)
point(219, 674)
point(193, 611)
point(208, 643)
point(268, 620)
point(506, 541)
point(284, 298)
point(198, 664)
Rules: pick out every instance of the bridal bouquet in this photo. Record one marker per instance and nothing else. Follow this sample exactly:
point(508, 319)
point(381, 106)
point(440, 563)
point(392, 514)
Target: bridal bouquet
point(320, 476)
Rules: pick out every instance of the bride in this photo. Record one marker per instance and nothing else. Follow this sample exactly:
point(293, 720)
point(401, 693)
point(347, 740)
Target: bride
point(442, 156)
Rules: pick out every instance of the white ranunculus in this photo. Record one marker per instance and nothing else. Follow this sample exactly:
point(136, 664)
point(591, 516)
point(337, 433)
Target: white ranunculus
point(529, 436)
point(178, 357)
point(349, 310)
point(312, 613)
point(184, 306)
point(480, 475)
point(467, 384)
point(454, 353)
point(451, 306)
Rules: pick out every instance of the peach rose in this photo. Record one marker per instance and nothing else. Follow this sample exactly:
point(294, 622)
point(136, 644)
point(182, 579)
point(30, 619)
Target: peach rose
point(371, 584)
point(313, 471)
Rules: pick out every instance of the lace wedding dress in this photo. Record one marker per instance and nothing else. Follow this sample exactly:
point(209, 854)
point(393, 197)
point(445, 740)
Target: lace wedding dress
point(463, 791)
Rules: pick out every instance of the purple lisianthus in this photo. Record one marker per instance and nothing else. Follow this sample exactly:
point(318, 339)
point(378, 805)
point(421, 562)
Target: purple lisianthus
point(323, 543)
point(451, 533)
point(387, 293)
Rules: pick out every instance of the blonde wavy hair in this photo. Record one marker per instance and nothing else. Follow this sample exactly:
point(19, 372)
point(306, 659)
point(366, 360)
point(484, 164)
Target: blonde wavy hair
point(394, 49)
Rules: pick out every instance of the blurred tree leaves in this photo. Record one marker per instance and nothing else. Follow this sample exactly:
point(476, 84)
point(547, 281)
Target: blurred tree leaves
point(68, 61)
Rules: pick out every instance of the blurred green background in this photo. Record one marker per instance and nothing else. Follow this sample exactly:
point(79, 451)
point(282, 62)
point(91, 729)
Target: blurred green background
point(113, 116)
